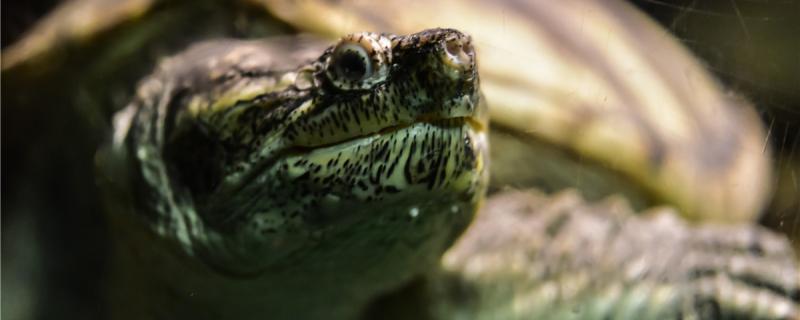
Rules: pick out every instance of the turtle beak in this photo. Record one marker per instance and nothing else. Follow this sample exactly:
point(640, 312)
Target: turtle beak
point(458, 55)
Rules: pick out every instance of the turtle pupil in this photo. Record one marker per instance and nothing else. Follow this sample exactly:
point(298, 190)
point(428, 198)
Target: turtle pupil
point(352, 66)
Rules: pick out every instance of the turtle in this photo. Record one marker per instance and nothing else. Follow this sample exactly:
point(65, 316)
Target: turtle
point(186, 220)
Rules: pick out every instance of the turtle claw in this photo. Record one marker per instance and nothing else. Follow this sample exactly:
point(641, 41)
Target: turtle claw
point(533, 256)
point(742, 271)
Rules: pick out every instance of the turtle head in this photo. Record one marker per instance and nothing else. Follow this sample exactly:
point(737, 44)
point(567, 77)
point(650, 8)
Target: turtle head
point(370, 156)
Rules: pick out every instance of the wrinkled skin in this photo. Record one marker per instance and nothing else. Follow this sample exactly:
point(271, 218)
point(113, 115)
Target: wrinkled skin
point(294, 191)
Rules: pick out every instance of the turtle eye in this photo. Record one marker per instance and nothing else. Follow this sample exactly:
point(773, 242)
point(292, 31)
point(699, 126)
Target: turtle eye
point(351, 63)
point(358, 61)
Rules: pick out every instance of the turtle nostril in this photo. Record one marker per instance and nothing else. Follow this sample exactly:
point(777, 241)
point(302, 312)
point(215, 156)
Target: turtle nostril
point(453, 47)
point(458, 53)
point(467, 48)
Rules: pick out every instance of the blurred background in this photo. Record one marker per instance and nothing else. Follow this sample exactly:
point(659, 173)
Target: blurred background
point(752, 47)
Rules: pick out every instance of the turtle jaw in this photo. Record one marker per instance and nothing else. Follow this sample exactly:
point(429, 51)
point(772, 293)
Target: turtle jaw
point(441, 153)
point(417, 184)
point(371, 213)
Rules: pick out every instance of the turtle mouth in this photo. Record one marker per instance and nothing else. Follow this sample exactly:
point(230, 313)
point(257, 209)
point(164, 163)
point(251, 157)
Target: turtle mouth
point(333, 127)
point(432, 153)
point(473, 124)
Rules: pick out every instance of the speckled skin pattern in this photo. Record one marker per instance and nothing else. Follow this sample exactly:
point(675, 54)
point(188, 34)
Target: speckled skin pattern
point(258, 180)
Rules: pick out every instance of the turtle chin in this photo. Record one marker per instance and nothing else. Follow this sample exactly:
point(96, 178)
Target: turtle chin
point(399, 196)
point(437, 156)
point(433, 163)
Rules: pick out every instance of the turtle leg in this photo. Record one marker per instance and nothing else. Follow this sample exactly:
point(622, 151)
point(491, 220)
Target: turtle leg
point(533, 256)
point(742, 271)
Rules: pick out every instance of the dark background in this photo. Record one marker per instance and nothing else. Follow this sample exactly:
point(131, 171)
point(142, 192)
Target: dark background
point(752, 46)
